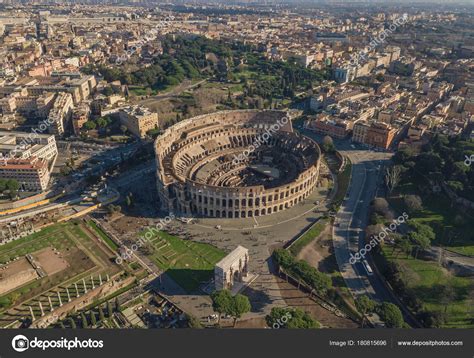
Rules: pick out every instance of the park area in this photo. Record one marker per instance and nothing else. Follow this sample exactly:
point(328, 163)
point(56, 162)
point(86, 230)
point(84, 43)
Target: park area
point(188, 263)
point(46, 261)
point(451, 223)
point(438, 290)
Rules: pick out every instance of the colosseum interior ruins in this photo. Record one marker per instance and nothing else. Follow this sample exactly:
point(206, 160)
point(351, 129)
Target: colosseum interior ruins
point(234, 164)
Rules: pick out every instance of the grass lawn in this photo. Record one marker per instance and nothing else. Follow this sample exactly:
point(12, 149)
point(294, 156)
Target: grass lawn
point(308, 236)
point(103, 235)
point(427, 280)
point(50, 236)
point(188, 263)
point(143, 91)
point(84, 258)
point(452, 232)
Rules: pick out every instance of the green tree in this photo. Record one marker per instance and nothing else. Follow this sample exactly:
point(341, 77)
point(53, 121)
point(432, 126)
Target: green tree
point(328, 144)
point(391, 315)
point(290, 318)
point(90, 125)
point(5, 302)
point(240, 305)
point(365, 305)
point(222, 302)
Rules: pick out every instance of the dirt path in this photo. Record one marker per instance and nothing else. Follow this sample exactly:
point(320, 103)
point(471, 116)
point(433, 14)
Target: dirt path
point(297, 299)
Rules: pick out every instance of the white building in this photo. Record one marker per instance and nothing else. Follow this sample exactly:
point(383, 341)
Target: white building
point(231, 269)
point(60, 114)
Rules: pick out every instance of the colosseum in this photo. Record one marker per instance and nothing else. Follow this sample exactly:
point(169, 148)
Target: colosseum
point(234, 164)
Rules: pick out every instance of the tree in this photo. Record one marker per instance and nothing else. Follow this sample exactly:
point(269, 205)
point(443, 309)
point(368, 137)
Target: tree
point(380, 205)
point(328, 144)
point(12, 186)
point(102, 122)
point(413, 203)
point(90, 125)
point(222, 302)
point(241, 305)
point(289, 318)
point(403, 243)
point(365, 305)
point(5, 302)
point(448, 295)
point(391, 315)
point(392, 177)
point(421, 236)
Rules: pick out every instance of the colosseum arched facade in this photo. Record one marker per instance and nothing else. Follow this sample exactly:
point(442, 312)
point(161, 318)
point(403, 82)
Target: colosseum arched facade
point(235, 164)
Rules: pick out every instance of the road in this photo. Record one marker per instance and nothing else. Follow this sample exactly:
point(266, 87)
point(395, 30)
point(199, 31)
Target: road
point(352, 219)
point(172, 93)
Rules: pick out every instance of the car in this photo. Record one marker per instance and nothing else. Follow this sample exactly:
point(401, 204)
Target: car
point(367, 268)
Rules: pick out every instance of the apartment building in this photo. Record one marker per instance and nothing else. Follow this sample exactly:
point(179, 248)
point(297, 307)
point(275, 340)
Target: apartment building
point(359, 132)
point(380, 135)
point(25, 145)
point(138, 120)
point(32, 174)
point(60, 114)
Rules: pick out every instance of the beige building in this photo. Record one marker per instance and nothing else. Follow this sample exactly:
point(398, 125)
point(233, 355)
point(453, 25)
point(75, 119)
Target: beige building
point(25, 145)
point(80, 116)
point(60, 114)
point(359, 132)
point(138, 120)
point(32, 174)
point(231, 269)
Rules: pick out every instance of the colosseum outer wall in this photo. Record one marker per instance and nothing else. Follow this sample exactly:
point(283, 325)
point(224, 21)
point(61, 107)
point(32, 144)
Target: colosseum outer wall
point(212, 139)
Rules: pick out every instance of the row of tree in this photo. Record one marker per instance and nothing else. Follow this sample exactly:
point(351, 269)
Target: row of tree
point(300, 269)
